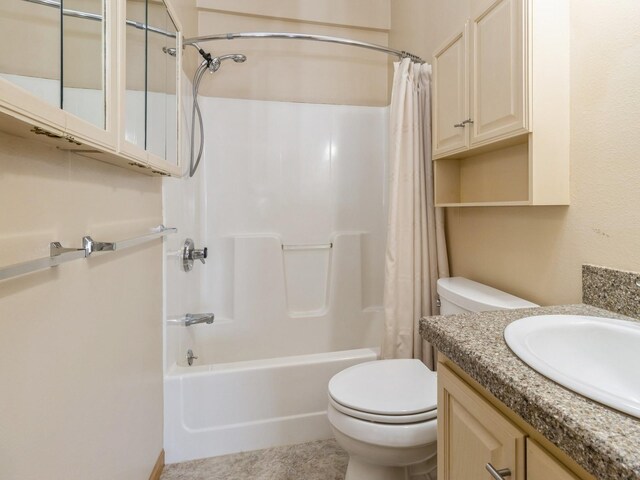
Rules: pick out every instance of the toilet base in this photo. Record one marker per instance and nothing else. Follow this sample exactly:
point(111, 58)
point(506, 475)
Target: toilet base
point(361, 470)
point(375, 462)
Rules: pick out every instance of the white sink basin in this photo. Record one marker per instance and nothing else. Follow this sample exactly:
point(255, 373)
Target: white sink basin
point(596, 357)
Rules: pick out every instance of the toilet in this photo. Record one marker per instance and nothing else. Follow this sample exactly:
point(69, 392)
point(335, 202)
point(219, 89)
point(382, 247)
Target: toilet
point(383, 413)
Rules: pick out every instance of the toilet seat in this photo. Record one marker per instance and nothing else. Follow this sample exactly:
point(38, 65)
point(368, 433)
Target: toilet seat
point(407, 435)
point(389, 419)
point(386, 391)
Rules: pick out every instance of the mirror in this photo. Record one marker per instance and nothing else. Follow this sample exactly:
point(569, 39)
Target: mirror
point(151, 78)
point(83, 65)
point(31, 54)
point(136, 53)
point(57, 54)
point(162, 107)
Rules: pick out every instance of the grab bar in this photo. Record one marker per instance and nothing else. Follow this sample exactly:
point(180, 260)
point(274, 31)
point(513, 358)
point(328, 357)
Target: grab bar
point(318, 246)
point(59, 254)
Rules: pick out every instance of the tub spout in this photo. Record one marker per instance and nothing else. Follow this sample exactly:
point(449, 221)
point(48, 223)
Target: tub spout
point(195, 318)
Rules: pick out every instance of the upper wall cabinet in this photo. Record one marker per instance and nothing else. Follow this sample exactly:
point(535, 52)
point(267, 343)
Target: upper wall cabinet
point(150, 55)
point(481, 80)
point(60, 78)
point(497, 96)
point(451, 96)
point(501, 114)
point(57, 69)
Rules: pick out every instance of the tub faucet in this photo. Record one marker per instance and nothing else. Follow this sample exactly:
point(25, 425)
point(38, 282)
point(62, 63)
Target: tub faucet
point(195, 318)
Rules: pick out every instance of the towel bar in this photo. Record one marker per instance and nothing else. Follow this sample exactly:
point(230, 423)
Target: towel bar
point(59, 254)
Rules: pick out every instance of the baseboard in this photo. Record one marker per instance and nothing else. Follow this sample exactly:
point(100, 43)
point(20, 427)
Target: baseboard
point(158, 467)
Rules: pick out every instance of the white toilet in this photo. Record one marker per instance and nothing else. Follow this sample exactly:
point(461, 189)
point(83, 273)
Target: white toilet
point(383, 413)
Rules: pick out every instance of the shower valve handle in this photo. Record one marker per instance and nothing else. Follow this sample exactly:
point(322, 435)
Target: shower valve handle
point(190, 254)
point(199, 254)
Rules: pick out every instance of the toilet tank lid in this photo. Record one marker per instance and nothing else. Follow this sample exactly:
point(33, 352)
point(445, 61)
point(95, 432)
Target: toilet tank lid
point(476, 297)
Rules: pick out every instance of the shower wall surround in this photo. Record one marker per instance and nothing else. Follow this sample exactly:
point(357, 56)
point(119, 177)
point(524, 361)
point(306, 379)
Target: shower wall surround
point(279, 175)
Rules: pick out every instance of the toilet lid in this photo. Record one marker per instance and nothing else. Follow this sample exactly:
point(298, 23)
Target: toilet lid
point(386, 387)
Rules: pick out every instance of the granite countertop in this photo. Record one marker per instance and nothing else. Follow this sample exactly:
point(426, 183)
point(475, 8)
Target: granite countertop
point(603, 441)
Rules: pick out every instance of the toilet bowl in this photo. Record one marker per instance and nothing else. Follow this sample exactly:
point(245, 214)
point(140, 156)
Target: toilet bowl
point(383, 413)
point(388, 435)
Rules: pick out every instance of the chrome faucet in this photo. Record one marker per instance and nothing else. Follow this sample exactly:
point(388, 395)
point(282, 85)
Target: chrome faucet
point(195, 318)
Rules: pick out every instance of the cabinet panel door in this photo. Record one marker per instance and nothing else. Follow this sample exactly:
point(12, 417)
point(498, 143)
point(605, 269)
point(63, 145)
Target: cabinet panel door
point(498, 79)
point(472, 433)
point(450, 104)
point(542, 466)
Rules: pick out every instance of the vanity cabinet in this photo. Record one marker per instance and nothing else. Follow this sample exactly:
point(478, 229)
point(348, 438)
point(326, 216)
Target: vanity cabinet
point(60, 80)
point(500, 113)
point(542, 466)
point(473, 432)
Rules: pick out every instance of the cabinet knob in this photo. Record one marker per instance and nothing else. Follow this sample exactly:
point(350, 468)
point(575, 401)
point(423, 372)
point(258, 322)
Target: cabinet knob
point(498, 474)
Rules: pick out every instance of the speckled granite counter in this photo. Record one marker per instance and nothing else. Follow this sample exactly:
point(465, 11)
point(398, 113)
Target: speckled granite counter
point(603, 441)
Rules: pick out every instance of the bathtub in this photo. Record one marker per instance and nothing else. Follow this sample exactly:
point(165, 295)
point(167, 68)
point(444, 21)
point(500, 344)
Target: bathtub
point(226, 408)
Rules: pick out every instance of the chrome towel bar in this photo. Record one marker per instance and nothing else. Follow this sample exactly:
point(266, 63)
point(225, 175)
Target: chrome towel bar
point(59, 254)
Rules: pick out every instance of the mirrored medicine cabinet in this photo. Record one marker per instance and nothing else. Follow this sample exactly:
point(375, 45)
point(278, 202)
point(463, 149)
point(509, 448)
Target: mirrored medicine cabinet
point(151, 81)
point(99, 77)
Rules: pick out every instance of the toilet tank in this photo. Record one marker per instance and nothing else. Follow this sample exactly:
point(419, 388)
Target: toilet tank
point(460, 295)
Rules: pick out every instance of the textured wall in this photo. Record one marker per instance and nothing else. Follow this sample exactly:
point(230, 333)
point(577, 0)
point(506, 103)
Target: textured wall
point(536, 252)
point(299, 71)
point(81, 344)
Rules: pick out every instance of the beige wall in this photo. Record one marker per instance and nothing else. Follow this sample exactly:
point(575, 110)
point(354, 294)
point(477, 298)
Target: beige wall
point(187, 13)
point(536, 252)
point(30, 35)
point(81, 344)
point(299, 71)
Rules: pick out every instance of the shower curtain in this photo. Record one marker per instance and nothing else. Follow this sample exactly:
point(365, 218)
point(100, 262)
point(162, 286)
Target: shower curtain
point(416, 252)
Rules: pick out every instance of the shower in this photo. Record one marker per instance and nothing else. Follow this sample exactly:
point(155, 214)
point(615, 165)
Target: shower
point(212, 64)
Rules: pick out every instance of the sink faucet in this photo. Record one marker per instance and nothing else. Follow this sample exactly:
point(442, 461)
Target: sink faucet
point(195, 318)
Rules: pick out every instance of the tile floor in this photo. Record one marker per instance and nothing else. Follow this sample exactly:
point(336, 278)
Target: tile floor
point(321, 460)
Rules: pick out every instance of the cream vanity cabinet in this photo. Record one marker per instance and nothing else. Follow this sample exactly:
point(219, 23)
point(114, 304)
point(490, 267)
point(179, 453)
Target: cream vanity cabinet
point(501, 113)
point(473, 433)
point(60, 79)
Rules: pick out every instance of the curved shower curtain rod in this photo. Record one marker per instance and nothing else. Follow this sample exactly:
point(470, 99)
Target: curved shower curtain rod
point(302, 36)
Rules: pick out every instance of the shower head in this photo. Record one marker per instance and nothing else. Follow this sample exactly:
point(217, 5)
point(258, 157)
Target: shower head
point(237, 57)
point(216, 62)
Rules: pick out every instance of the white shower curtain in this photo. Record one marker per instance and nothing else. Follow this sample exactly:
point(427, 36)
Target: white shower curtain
point(416, 254)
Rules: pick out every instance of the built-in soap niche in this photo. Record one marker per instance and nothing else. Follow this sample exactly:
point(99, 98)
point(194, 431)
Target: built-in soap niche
point(307, 273)
point(261, 277)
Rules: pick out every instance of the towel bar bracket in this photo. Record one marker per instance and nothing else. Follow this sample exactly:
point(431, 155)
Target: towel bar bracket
point(56, 249)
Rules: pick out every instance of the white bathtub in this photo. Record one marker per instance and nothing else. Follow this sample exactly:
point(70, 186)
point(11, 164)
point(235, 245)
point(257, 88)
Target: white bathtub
point(218, 409)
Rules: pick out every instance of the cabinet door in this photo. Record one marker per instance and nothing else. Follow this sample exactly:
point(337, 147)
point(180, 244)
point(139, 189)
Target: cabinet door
point(542, 466)
point(498, 71)
point(450, 99)
point(472, 434)
point(151, 54)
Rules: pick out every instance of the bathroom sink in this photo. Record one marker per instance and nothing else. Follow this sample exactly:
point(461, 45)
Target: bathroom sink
point(593, 356)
